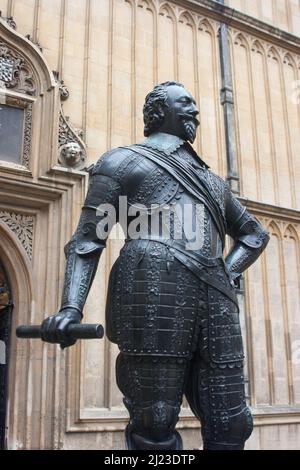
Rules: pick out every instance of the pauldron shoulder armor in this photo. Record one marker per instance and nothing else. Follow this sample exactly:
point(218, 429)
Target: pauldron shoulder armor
point(116, 163)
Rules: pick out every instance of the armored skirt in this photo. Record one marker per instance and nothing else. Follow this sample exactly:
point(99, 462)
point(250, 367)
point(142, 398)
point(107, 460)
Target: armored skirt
point(157, 306)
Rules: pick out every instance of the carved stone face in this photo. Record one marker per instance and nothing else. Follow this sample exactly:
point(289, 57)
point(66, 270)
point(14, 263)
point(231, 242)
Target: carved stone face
point(71, 154)
point(180, 115)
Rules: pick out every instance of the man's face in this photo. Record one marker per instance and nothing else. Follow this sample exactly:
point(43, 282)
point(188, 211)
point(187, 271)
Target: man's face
point(180, 116)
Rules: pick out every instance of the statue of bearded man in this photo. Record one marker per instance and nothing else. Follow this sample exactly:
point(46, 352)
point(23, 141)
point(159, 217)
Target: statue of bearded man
point(172, 310)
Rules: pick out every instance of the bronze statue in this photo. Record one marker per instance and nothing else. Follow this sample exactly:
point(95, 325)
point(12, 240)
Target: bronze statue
point(172, 310)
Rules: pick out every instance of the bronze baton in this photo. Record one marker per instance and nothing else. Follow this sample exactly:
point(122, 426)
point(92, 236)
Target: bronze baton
point(74, 331)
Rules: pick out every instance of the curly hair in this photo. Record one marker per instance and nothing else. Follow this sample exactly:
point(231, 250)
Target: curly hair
point(154, 107)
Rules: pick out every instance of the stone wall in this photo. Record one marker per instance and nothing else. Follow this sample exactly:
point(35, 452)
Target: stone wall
point(283, 14)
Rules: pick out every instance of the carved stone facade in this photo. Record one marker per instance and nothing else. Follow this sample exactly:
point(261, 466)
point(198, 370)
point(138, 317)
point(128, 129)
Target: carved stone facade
point(72, 150)
point(128, 46)
point(15, 73)
point(16, 76)
point(22, 226)
point(39, 199)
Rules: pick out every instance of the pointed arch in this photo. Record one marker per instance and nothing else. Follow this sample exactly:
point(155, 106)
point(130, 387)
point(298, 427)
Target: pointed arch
point(167, 50)
point(167, 10)
point(257, 46)
point(273, 53)
point(147, 4)
point(32, 60)
point(291, 232)
point(186, 18)
point(30, 80)
point(241, 40)
point(205, 25)
point(288, 59)
point(274, 229)
point(20, 277)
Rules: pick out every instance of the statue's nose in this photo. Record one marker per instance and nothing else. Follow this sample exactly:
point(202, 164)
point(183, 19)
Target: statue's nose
point(194, 110)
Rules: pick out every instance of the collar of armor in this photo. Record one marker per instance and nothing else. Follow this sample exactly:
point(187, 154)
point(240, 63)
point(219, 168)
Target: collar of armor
point(166, 143)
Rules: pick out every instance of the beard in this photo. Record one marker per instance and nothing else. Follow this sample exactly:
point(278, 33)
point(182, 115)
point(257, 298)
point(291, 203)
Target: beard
point(190, 125)
point(190, 130)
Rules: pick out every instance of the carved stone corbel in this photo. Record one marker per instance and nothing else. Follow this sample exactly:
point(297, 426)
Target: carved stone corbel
point(71, 147)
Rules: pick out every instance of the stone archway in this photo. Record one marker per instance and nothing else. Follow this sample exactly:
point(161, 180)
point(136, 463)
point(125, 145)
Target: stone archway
point(15, 305)
point(6, 306)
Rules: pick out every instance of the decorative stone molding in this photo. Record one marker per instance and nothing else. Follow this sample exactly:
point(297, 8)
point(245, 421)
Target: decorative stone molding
point(22, 226)
point(36, 43)
point(63, 91)
point(27, 136)
point(72, 149)
point(9, 20)
point(15, 73)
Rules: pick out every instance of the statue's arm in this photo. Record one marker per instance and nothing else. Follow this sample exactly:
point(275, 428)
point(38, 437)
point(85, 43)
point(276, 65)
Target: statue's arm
point(82, 255)
point(250, 238)
point(84, 249)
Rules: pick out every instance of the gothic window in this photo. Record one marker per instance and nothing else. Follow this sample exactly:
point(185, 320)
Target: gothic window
point(17, 92)
point(11, 133)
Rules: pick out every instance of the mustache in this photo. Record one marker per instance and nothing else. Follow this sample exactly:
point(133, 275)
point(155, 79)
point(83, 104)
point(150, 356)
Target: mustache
point(189, 117)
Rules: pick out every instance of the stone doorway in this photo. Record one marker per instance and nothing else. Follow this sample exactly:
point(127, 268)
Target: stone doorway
point(5, 331)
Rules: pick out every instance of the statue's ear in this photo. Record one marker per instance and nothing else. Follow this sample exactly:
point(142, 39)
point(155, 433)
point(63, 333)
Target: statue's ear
point(161, 109)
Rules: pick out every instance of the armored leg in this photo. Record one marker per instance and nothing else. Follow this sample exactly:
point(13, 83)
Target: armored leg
point(153, 389)
point(216, 397)
point(215, 385)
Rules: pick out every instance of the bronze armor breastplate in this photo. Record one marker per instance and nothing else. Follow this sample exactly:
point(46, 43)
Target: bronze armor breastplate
point(163, 197)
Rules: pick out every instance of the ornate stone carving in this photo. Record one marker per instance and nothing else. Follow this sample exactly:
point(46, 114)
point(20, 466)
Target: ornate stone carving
point(72, 150)
point(64, 91)
point(27, 136)
point(15, 73)
point(71, 155)
point(22, 226)
point(36, 43)
point(6, 70)
point(71, 147)
point(9, 20)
